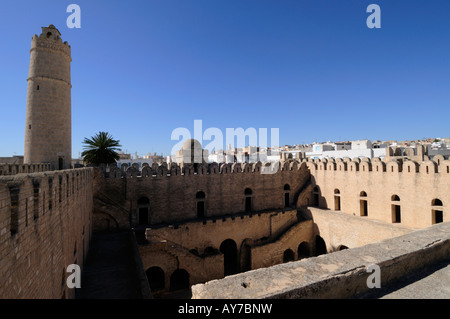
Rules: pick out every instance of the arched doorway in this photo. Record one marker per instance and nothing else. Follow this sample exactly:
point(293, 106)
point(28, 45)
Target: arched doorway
point(179, 280)
point(321, 247)
point(143, 207)
point(315, 202)
point(155, 277)
point(200, 197)
point(229, 250)
point(288, 255)
point(303, 250)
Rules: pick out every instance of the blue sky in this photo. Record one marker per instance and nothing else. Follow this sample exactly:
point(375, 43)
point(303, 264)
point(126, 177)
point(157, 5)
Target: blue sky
point(311, 68)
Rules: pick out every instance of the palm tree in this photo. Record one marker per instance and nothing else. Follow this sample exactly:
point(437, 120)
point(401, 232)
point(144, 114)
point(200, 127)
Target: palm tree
point(100, 149)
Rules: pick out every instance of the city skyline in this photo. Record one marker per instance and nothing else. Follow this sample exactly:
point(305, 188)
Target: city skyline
point(313, 70)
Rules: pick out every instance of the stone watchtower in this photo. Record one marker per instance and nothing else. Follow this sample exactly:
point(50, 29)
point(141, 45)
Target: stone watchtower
point(48, 130)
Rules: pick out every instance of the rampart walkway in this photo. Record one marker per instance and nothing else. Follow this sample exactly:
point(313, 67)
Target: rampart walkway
point(110, 271)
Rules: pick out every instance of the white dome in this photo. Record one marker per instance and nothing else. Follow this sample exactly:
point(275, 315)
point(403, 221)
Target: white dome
point(191, 144)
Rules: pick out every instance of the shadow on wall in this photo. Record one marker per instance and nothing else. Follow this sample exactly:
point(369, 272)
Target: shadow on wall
point(104, 222)
point(310, 195)
point(319, 245)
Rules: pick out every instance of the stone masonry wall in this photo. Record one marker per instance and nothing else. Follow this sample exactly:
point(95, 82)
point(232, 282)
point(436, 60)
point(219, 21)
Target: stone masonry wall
point(12, 169)
point(171, 191)
point(342, 274)
point(45, 225)
point(337, 229)
point(417, 186)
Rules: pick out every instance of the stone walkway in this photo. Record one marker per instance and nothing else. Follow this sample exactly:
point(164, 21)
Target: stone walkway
point(109, 271)
point(432, 282)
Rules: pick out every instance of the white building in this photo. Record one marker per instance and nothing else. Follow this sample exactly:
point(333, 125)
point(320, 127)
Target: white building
point(132, 161)
point(361, 149)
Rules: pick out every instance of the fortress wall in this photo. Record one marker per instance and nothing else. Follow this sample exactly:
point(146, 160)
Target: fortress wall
point(12, 169)
point(341, 274)
point(172, 191)
point(337, 228)
point(45, 225)
point(416, 184)
point(169, 259)
point(212, 232)
point(196, 246)
point(273, 253)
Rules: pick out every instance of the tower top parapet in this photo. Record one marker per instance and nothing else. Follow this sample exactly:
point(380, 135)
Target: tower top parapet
point(50, 38)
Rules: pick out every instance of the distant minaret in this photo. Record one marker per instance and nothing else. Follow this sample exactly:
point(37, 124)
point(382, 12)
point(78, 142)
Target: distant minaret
point(48, 125)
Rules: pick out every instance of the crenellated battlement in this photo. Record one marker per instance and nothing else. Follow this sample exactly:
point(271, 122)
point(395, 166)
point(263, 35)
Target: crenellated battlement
point(174, 169)
point(439, 165)
point(13, 169)
point(50, 39)
point(45, 225)
point(393, 190)
point(164, 193)
point(27, 197)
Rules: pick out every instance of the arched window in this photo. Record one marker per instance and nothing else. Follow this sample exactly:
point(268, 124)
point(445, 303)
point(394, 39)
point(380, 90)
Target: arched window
point(337, 199)
point(315, 196)
point(287, 189)
point(143, 201)
point(437, 214)
point(143, 210)
point(248, 200)
point(395, 209)
point(200, 196)
point(363, 209)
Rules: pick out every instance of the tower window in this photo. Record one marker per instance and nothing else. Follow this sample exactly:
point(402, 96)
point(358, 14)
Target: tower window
point(200, 196)
point(37, 88)
point(49, 34)
point(248, 199)
point(29, 127)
